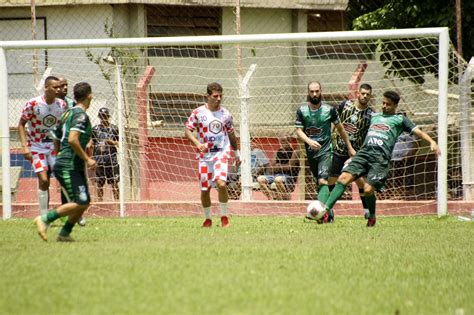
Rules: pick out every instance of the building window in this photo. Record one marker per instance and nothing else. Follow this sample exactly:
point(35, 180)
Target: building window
point(174, 108)
point(326, 21)
point(171, 20)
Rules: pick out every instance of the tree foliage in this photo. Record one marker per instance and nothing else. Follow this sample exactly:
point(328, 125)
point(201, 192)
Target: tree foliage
point(398, 14)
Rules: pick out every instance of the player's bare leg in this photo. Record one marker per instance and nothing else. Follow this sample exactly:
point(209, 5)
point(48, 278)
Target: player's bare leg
point(43, 191)
point(206, 205)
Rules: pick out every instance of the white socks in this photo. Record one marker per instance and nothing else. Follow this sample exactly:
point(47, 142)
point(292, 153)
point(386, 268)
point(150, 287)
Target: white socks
point(223, 206)
point(207, 213)
point(223, 209)
point(43, 198)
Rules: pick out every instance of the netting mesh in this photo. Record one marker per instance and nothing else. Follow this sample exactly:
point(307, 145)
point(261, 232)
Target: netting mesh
point(158, 164)
point(162, 85)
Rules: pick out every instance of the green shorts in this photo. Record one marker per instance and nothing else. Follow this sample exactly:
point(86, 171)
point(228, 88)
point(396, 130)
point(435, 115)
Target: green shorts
point(376, 168)
point(320, 166)
point(74, 186)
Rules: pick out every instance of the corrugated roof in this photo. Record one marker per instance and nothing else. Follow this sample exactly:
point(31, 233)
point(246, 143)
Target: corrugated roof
point(283, 4)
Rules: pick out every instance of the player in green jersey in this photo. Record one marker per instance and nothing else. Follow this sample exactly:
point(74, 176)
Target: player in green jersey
point(63, 93)
point(72, 136)
point(373, 159)
point(355, 117)
point(313, 124)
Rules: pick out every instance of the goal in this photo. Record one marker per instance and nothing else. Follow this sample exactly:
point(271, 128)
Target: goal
point(151, 85)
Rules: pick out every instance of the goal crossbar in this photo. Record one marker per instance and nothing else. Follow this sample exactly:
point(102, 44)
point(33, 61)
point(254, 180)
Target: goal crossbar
point(440, 32)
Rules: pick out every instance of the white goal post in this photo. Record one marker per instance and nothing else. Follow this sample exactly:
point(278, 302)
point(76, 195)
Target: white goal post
point(245, 94)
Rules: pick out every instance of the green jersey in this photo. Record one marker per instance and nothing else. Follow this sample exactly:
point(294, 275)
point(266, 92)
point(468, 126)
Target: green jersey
point(316, 124)
point(70, 102)
point(74, 119)
point(383, 133)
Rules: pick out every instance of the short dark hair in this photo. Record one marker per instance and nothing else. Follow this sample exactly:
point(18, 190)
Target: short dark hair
point(392, 95)
point(365, 86)
point(214, 86)
point(82, 91)
point(49, 79)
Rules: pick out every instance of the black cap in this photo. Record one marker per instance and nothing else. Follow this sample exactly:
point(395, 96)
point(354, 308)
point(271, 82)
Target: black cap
point(104, 111)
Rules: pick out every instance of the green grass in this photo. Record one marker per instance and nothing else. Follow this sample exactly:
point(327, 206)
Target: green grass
point(266, 265)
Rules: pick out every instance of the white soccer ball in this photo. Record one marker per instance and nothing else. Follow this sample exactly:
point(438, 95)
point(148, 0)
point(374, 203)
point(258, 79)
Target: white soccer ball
point(315, 210)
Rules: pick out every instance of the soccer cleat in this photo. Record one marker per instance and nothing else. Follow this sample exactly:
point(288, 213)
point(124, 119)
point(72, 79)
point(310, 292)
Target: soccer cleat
point(42, 228)
point(371, 222)
point(66, 239)
point(207, 223)
point(330, 218)
point(324, 219)
point(225, 222)
point(82, 221)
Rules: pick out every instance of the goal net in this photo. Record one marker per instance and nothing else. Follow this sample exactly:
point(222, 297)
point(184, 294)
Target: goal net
point(151, 85)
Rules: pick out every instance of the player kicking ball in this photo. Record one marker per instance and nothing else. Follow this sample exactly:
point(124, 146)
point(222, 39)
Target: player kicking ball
point(373, 159)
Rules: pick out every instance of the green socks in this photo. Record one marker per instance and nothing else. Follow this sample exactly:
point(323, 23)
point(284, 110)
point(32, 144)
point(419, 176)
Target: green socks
point(66, 229)
point(51, 216)
point(371, 200)
point(323, 193)
point(336, 193)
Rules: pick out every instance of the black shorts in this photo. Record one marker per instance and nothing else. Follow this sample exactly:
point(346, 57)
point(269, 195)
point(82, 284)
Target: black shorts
point(337, 165)
point(74, 186)
point(109, 173)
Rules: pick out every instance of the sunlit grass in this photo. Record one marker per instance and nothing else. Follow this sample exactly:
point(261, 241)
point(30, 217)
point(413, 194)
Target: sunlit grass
point(409, 265)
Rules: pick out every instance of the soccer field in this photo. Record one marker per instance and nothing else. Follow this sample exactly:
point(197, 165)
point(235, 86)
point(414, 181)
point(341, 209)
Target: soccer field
point(260, 265)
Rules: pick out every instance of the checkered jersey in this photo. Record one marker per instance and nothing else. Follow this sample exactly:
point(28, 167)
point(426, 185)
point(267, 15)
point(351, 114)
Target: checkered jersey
point(212, 128)
point(41, 119)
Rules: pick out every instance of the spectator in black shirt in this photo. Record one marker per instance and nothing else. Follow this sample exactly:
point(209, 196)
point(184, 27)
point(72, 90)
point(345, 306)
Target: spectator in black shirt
point(105, 138)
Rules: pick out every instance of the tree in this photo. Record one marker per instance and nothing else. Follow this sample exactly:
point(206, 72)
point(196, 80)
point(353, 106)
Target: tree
point(397, 14)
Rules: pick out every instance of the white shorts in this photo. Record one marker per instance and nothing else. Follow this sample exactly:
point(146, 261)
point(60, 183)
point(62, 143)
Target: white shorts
point(43, 161)
point(211, 171)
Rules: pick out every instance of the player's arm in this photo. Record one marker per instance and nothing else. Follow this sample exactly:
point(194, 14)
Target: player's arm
point(345, 138)
point(75, 144)
point(190, 135)
point(301, 134)
point(312, 143)
point(23, 140)
point(433, 145)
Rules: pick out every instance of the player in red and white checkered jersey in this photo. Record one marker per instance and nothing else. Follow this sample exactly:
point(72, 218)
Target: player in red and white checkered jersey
point(39, 116)
point(216, 136)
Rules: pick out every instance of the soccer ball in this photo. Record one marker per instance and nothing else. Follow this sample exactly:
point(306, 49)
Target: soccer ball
point(315, 210)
